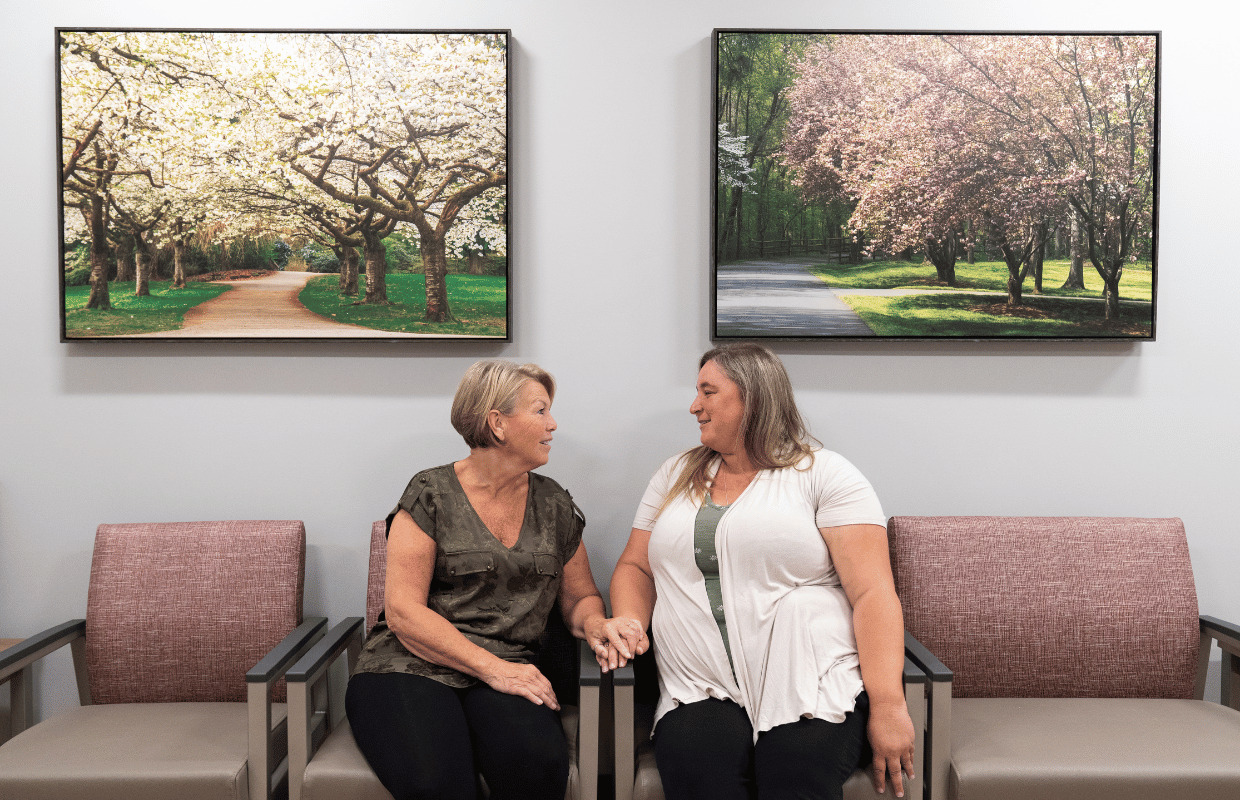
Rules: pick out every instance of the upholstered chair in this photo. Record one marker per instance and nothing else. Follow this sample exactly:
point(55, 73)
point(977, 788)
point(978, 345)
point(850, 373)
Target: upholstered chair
point(324, 762)
point(1078, 659)
point(188, 628)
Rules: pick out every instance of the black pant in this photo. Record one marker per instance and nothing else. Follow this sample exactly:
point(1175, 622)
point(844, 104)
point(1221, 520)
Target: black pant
point(426, 740)
point(706, 750)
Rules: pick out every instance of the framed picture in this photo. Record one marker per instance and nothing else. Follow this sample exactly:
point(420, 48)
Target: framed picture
point(935, 185)
point(283, 184)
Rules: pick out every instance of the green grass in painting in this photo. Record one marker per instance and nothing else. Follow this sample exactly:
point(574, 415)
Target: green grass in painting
point(991, 276)
point(477, 301)
point(970, 316)
point(163, 310)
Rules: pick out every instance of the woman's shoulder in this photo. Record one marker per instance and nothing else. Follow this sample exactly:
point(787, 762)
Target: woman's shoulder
point(436, 480)
point(821, 462)
point(444, 473)
point(548, 486)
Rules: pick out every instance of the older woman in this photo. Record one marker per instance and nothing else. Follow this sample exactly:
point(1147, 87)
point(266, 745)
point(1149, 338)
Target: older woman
point(761, 560)
point(478, 552)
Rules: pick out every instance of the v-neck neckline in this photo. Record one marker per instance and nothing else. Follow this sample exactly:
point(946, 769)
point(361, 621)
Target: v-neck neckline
point(711, 485)
point(525, 516)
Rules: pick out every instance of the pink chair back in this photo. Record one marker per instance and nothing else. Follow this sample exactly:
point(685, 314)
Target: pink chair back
point(377, 576)
point(1051, 606)
point(179, 611)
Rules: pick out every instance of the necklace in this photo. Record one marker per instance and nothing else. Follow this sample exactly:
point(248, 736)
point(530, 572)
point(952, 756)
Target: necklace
point(744, 478)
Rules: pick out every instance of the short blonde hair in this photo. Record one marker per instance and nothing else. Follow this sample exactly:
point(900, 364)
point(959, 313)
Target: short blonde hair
point(492, 385)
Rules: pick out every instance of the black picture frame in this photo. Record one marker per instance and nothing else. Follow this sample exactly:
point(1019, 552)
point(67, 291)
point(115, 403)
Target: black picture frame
point(838, 154)
point(250, 155)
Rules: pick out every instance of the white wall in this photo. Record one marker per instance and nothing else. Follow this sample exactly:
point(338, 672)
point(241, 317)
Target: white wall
point(611, 224)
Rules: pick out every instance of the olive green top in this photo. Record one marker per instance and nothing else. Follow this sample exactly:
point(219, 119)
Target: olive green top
point(707, 558)
point(498, 597)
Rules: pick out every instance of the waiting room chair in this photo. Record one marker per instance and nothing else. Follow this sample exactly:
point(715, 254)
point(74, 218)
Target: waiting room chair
point(1078, 659)
point(325, 763)
point(188, 628)
point(636, 692)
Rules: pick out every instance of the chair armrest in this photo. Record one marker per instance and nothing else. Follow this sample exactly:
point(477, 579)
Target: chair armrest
point(590, 681)
point(913, 674)
point(268, 746)
point(935, 670)
point(623, 681)
point(16, 669)
point(916, 683)
point(1227, 634)
point(589, 673)
point(938, 726)
point(311, 665)
point(313, 712)
point(623, 676)
point(25, 653)
point(273, 665)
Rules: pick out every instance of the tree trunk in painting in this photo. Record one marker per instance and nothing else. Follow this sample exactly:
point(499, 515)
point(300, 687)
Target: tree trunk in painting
point(97, 226)
point(435, 261)
point(1076, 267)
point(376, 269)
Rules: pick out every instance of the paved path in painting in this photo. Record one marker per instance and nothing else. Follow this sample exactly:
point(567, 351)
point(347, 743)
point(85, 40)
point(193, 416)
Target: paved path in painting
point(778, 298)
point(774, 298)
point(267, 307)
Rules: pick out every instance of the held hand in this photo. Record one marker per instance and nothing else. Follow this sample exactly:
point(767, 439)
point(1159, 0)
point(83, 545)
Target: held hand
point(523, 680)
point(616, 641)
point(891, 737)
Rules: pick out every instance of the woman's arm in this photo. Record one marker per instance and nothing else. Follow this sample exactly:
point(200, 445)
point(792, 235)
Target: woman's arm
point(411, 563)
point(859, 553)
point(581, 603)
point(632, 602)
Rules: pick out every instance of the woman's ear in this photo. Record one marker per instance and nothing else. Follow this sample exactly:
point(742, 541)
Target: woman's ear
point(496, 421)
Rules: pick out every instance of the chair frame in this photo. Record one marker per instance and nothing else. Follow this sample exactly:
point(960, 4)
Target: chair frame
point(1227, 635)
point(919, 685)
point(267, 744)
point(939, 734)
point(316, 704)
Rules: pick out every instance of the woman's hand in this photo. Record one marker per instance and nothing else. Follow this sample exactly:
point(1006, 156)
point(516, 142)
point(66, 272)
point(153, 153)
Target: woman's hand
point(891, 738)
point(616, 641)
point(523, 680)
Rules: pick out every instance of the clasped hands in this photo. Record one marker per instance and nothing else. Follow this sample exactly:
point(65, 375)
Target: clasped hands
point(615, 641)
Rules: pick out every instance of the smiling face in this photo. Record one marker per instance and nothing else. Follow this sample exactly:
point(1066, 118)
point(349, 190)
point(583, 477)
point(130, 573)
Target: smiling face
point(526, 432)
point(719, 409)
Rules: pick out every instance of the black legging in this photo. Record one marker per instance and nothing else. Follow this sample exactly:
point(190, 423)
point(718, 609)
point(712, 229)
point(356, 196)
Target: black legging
point(426, 740)
point(706, 750)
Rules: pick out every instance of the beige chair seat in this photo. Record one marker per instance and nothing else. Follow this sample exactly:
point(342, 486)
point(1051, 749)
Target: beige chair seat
point(133, 751)
point(338, 768)
point(1093, 749)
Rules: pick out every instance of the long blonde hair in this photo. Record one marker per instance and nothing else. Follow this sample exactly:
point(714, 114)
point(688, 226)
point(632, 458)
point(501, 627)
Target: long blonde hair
point(774, 433)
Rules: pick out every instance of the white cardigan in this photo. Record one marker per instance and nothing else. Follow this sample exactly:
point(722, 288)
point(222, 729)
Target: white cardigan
point(789, 621)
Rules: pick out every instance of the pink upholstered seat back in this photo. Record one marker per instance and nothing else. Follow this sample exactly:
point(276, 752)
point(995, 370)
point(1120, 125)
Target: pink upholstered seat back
point(179, 611)
point(1051, 606)
point(377, 577)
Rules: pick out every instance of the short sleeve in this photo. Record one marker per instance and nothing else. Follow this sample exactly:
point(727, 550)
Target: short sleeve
point(842, 495)
point(570, 537)
point(656, 492)
point(419, 500)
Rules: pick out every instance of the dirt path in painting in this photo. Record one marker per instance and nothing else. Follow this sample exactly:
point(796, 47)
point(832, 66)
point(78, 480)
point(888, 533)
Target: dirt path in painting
point(266, 307)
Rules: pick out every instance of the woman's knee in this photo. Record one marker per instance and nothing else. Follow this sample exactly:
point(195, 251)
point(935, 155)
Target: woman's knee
point(705, 749)
point(413, 734)
point(807, 758)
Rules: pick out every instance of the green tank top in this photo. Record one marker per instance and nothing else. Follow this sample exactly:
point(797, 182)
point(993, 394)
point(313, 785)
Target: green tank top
point(704, 553)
